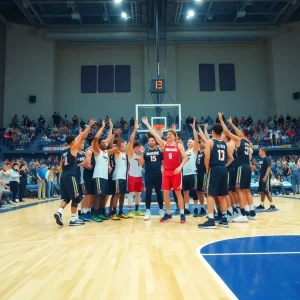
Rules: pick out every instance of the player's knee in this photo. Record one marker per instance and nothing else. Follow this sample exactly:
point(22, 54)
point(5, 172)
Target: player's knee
point(75, 202)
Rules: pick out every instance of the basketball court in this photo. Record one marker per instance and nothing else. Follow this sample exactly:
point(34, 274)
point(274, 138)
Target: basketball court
point(134, 259)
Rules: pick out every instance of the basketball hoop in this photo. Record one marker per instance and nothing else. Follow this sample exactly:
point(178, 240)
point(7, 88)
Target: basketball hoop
point(159, 128)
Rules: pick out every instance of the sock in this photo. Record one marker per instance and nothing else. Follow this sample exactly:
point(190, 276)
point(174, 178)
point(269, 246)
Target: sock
point(182, 211)
point(137, 207)
point(243, 211)
point(234, 205)
point(60, 210)
point(262, 204)
point(229, 213)
point(211, 216)
point(251, 207)
point(130, 199)
point(187, 206)
point(168, 211)
point(73, 217)
point(247, 208)
point(230, 210)
point(85, 210)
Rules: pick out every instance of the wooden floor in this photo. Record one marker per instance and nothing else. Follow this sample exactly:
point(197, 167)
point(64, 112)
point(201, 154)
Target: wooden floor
point(130, 259)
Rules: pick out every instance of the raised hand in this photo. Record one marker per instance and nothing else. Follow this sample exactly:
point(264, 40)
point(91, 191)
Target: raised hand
point(103, 124)
point(220, 116)
point(145, 120)
point(193, 125)
point(118, 131)
point(92, 122)
point(205, 126)
point(136, 125)
point(110, 123)
point(229, 121)
point(174, 127)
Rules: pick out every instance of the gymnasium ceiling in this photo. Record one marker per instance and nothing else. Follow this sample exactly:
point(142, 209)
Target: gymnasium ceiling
point(107, 13)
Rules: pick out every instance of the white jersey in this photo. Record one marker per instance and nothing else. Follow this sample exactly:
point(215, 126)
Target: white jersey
point(190, 167)
point(101, 165)
point(120, 171)
point(134, 169)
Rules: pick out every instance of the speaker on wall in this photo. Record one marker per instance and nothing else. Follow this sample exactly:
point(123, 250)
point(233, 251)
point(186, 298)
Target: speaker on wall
point(296, 96)
point(32, 99)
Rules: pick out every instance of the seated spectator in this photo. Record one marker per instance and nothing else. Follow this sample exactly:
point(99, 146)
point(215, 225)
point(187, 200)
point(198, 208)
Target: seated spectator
point(276, 186)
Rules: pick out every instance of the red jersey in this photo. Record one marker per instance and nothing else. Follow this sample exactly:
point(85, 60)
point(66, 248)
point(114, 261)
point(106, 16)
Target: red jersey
point(172, 157)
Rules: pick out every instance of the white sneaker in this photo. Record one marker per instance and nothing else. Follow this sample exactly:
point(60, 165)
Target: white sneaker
point(229, 218)
point(252, 217)
point(17, 200)
point(240, 219)
point(161, 213)
point(235, 215)
point(147, 215)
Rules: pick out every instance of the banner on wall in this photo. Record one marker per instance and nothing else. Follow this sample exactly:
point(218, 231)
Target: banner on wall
point(53, 148)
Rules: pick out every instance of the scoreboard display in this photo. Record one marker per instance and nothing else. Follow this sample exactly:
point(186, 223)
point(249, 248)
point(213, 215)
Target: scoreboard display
point(158, 86)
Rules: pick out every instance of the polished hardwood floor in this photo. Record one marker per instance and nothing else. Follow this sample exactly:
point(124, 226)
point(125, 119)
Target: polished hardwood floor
point(128, 259)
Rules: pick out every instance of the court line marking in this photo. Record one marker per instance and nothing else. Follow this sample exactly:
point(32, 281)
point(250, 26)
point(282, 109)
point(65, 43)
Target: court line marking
point(216, 276)
point(250, 253)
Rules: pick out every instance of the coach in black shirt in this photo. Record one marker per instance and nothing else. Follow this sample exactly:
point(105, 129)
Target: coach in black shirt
point(264, 180)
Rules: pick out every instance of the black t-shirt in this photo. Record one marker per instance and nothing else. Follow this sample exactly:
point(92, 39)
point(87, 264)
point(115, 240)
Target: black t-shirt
point(285, 171)
point(23, 173)
point(265, 164)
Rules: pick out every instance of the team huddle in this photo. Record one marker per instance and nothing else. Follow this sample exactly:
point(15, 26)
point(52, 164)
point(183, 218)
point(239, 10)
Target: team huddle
point(218, 166)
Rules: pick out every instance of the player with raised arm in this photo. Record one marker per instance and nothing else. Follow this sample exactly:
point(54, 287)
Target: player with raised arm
point(243, 181)
point(189, 170)
point(174, 160)
point(152, 159)
point(134, 177)
point(69, 189)
point(217, 157)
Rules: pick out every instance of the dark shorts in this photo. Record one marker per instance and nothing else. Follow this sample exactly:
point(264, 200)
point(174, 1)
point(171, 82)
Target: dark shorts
point(218, 181)
point(69, 188)
point(88, 183)
point(201, 181)
point(120, 186)
point(100, 186)
point(111, 187)
point(232, 179)
point(82, 189)
point(189, 182)
point(264, 186)
point(243, 177)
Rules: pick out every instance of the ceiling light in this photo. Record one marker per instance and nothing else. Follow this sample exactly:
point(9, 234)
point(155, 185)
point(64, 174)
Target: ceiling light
point(124, 15)
point(75, 16)
point(198, 0)
point(118, 1)
point(241, 14)
point(191, 13)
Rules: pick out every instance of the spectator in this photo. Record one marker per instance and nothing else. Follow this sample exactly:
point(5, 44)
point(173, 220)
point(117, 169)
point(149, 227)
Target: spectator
point(286, 172)
point(41, 122)
point(15, 120)
point(23, 181)
point(41, 177)
point(6, 194)
point(75, 120)
point(281, 120)
point(50, 178)
point(14, 181)
point(295, 170)
point(276, 186)
point(288, 119)
point(249, 121)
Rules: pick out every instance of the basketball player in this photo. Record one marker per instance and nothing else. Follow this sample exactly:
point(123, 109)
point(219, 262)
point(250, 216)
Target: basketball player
point(119, 178)
point(69, 189)
point(152, 159)
point(243, 181)
point(264, 180)
point(189, 170)
point(134, 178)
point(217, 157)
point(174, 159)
point(100, 175)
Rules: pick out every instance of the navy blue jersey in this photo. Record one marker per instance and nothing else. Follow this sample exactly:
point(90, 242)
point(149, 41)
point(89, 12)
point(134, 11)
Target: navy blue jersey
point(200, 162)
point(264, 165)
point(243, 153)
point(153, 159)
point(233, 165)
point(69, 166)
point(79, 160)
point(112, 164)
point(88, 172)
point(218, 154)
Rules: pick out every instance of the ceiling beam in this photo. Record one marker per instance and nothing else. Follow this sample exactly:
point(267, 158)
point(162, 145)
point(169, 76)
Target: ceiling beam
point(106, 13)
point(242, 8)
point(177, 9)
point(35, 13)
point(5, 22)
point(290, 12)
point(26, 13)
point(271, 9)
point(282, 11)
point(139, 1)
point(208, 11)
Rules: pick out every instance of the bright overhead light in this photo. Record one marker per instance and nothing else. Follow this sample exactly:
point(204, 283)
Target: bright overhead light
point(118, 1)
point(198, 0)
point(191, 13)
point(124, 15)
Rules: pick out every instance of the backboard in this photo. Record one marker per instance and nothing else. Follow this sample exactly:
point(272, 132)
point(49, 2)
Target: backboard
point(166, 114)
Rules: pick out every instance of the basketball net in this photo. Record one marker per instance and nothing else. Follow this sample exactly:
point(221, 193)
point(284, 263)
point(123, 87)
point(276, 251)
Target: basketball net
point(159, 129)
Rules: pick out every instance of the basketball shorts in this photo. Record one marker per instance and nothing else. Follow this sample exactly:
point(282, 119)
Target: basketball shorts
point(218, 181)
point(264, 186)
point(81, 189)
point(189, 182)
point(120, 186)
point(171, 181)
point(243, 177)
point(232, 174)
point(111, 187)
point(100, 186)
point(134, 184)
point(68, 188)
point(88, 183)
point(201, 181)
